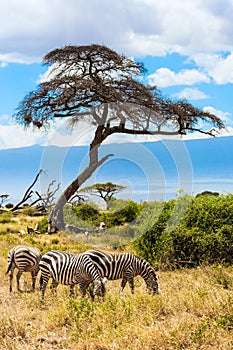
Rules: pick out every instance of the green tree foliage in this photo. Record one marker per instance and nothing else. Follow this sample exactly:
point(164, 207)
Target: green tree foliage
point(204, 235)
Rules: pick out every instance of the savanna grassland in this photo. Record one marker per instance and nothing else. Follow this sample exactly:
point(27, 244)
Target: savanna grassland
point(194, 309)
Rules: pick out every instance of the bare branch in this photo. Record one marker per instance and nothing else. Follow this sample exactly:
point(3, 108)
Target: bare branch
point(29, 192)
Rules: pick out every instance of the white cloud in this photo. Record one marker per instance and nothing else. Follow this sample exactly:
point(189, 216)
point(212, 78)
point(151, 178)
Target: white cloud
point(219, 66)
point(190, 94)
point(16, 57)
point(15, 136)
point(164, 77)
point(31, 28)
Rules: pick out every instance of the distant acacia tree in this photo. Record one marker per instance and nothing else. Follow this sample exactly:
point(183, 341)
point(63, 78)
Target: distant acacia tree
point(3, 198)
point(106, 191)
point(95, 84)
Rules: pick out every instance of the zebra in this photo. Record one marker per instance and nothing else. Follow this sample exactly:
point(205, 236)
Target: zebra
point(25, 259)
point(70, 269)
point(126, 266)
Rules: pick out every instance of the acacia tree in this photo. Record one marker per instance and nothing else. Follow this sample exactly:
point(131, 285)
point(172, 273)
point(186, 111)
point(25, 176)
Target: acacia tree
point(3, 198)
point(105, 191)
point(95, 84)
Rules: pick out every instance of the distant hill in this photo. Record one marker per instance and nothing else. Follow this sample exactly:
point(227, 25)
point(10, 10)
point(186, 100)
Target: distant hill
point(153, 170)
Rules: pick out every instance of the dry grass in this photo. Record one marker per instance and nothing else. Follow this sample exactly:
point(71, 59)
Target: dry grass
point(193, 311)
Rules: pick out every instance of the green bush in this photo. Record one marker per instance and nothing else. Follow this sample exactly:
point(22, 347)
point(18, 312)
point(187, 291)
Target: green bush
point(125, 214)
point(6, 217)
point(43, 225)
point(9, 205)
point(155, 244)
point(203, 236)
point(86, 212)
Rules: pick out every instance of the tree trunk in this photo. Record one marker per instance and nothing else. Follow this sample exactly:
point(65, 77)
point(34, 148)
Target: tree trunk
point(56, 217)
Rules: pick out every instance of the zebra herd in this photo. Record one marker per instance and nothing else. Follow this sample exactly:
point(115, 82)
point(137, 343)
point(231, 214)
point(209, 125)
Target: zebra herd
point(93, 267)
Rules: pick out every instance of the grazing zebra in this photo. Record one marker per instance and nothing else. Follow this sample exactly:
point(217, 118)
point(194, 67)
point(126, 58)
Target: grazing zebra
point(70, 269)
point(25, 259)
point(125, 266)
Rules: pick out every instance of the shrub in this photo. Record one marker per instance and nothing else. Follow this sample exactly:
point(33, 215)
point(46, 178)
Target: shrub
point(204, 235)
point(6, 217)
point(9, 205)
point(86, 212)
point(127, 214)
point(43, 225)
point(155, 243)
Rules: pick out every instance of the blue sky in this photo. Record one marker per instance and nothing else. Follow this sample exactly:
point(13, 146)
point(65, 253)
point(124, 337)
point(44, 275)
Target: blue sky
point(187, 47)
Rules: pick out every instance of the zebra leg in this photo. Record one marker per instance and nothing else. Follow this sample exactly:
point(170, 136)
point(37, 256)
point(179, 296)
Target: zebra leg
point(131, 284)
point(18, 279)
point(72, 290)
point(83, 288)
point(99, 289)
point(41, 281)
point(11, 278)
point(34, 275)
point(44, 282)
point(123, 283)
point(53, 286)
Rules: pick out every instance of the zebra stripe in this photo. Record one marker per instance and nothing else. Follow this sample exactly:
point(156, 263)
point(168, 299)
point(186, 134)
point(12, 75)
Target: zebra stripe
point(125, 266)
point(70, 269)
point(25, 259)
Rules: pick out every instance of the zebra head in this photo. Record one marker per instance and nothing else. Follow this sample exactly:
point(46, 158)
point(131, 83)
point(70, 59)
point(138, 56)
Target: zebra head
point(152, 283)
point(99, 287)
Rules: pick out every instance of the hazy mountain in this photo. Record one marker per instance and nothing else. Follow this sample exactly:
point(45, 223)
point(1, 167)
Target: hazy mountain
point(153, 170)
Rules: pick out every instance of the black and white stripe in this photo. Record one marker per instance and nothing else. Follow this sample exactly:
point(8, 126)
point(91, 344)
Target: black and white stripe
point(70, 269)
point(125, 266)
point(25, 259)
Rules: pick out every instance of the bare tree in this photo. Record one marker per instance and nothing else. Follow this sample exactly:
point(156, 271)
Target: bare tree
point(47, 199)
point(105, 191)
point(98, 85)
point(28, 194)
point(3, 198)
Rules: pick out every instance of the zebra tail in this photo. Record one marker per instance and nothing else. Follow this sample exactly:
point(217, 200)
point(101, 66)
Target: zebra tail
point(10, 264)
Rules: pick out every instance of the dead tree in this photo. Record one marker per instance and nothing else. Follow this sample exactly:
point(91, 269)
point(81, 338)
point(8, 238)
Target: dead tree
point(28, 194)
point(46, 200)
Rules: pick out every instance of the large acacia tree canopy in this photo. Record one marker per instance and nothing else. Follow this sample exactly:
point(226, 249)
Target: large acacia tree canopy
point(96, 84)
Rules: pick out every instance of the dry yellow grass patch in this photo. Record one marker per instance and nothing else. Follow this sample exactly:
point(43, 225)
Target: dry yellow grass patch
point(193, 311)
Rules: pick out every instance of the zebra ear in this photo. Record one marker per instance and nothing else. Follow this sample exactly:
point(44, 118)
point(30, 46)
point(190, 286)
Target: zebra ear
point(105, 280)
